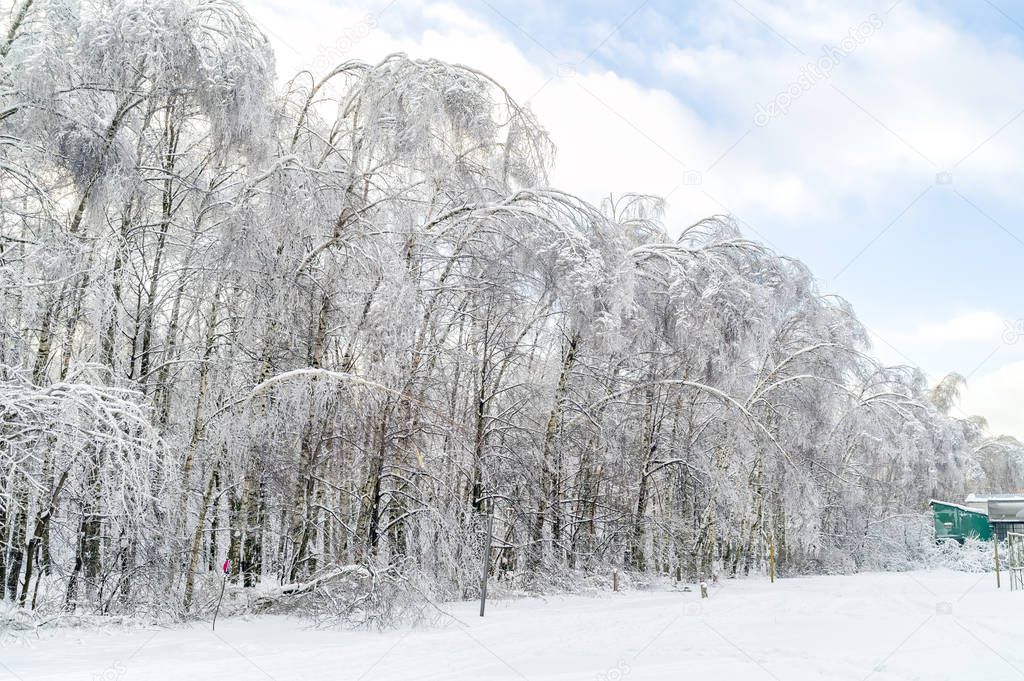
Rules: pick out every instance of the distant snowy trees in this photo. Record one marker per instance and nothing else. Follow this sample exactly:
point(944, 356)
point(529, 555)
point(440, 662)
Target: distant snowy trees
point(338, 324)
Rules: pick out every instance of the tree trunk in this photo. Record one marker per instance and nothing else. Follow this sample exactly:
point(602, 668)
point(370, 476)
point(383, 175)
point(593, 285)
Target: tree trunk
point(548, 491)
point(38, 535)
point(197, 542)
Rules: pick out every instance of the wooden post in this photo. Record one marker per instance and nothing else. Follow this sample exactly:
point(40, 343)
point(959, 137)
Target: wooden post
point(615, 580)
point(771, 559)
point(995, 545)
point(486, 562)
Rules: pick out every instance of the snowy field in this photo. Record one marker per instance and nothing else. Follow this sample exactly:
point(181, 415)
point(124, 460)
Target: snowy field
point(921, 625)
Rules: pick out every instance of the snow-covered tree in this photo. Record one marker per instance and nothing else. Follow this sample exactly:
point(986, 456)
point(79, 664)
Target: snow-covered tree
point(339, 323)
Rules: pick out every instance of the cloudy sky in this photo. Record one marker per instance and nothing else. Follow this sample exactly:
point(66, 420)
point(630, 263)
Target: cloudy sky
point(879, 142)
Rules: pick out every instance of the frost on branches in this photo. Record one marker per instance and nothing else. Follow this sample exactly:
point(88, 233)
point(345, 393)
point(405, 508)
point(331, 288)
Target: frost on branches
point(321, 332)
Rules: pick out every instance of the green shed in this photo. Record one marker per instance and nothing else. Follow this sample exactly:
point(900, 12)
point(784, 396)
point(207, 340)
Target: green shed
point(953, 521)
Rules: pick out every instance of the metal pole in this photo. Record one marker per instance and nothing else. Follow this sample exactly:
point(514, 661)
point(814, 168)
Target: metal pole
point(486, 562)
point(223, 585)
point(995, 544)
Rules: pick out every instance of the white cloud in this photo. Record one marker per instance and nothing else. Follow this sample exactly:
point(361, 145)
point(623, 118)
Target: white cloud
point(969, 326)
point(983, 346)
point(613, 135)
point(916, 75)
point(999, 397)
point(973, 343)
point(924, 95)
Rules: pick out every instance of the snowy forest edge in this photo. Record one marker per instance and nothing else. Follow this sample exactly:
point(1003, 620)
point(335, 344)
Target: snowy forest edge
point(316, 334)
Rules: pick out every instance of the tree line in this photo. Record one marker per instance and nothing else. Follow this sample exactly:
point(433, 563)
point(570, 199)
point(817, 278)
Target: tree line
point(340, 321)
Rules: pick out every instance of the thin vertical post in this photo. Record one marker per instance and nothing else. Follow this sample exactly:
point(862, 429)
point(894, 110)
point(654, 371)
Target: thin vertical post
point(486, 562)
point(995, 546)
point(771, 558)
point(223, 585)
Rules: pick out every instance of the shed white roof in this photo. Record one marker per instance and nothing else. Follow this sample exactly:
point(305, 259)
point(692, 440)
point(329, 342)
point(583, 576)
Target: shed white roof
point(969, 509)
point(994, 497)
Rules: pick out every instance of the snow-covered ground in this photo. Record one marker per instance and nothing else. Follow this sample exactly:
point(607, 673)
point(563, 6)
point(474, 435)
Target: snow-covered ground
point(920, 625)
